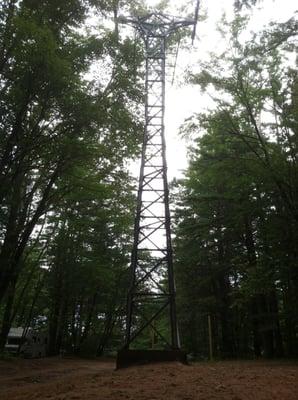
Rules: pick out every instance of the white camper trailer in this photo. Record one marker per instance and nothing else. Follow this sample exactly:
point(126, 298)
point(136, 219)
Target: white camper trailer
point(29, 343)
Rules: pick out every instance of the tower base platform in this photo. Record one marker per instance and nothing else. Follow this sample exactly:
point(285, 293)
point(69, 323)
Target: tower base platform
point(127, 358)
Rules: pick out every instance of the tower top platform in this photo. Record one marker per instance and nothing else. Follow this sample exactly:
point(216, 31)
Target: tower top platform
point(156, 24)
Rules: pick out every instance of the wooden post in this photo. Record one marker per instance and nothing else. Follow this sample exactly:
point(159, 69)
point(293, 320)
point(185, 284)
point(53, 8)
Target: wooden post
point(210, 338)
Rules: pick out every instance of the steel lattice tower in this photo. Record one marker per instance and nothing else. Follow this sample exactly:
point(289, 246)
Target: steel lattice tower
point(151, 295)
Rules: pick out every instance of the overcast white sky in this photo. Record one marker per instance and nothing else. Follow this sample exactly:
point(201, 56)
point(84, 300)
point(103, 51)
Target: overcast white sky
point(182, 101)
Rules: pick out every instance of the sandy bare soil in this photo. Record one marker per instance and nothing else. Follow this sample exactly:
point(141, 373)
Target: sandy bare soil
point(67, 379)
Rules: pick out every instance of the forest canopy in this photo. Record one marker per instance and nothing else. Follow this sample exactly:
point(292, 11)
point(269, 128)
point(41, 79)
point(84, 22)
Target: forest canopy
point(66, 203)
point(237, 208)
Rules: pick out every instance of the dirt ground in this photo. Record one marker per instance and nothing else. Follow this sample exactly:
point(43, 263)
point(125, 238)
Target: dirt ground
point(66, 379)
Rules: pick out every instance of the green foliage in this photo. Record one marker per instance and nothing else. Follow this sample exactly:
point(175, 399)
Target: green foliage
point(64, 145)
point(237, 206)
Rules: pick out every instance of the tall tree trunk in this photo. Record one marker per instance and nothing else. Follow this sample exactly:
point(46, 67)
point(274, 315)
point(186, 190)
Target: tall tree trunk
point(254, 307)
point(8, 265)
point(6, 321)
point(223, 295)
point(88, 321)
point(17, 237)
point(278, 340)
point(109, 324)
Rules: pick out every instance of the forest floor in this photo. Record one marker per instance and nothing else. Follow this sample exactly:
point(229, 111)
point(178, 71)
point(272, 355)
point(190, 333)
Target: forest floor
point(66, 379)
